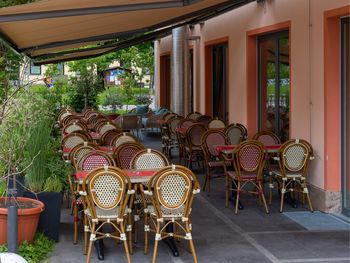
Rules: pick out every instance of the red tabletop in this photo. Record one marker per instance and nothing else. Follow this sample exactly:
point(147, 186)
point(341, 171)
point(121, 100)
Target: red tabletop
point(107, 149)
point(81, 174)
point(140, 172)
point(67, 150)
point(181, 130)
point(269, 148)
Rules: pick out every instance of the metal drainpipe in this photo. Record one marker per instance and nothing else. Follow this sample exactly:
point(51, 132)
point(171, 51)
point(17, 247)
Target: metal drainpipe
point(178, 89)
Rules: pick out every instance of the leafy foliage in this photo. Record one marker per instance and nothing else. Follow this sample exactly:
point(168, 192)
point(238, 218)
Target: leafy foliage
point(35, 252)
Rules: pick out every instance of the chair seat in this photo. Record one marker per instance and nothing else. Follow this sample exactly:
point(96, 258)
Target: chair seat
point(244, 175)
point(290, 175)
point(105, 214)
point(168, 213)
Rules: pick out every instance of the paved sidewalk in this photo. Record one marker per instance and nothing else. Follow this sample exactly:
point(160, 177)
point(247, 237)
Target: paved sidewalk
point(221, 236)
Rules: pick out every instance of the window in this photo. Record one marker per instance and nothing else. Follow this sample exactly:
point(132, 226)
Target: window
point(274, 86)
point(35, 70)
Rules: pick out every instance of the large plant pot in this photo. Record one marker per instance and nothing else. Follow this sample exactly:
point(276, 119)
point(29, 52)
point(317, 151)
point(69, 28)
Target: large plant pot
point(28, 219)
point(49, 221)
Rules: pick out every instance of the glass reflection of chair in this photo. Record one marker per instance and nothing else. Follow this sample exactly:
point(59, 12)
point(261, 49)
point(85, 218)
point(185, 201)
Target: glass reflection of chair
point(107, 191)
point(293, 159)
point(248, 160)
point(172, 190)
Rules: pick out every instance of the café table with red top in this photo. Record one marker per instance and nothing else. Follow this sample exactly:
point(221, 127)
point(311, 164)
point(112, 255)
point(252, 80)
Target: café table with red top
point(182, 131)
point(227, 149)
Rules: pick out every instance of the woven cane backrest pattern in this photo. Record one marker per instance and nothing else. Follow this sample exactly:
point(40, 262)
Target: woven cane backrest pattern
point(149, 159)
point(195, 133)
point(172, 189)
point(125, 153)
point(81, 152)
point(108, 137)
point(216, 124)
point(186, 123)
point(211, 139)
point(250, 156)
point(194, 115)
point(94, 160)
point(65, 114)
point(107, 127)
point(123, 138)
point(295, 156)
point(106, 189)
point(72, 128)
point(73, 139)
point(234, 134)
point(267, 138)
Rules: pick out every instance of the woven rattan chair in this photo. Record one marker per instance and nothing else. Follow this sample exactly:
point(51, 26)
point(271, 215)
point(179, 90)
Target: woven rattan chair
point(193, 149)
point(216, 123)
point(267, 138)
point(72, 127)
point(108, 136)
point(79, 151)
point(169, 136)
point(194, 115)
point(145, 160)
point(293, 159)
point(204, 119)
point(210, 140)
point(123, 138)
point(64, 113)
point(248, 160)
point(244, 128)
point(235, 134)
point(172, 191)
point(106, 127)
point(107, 191)
point(70, 140)
point(125, 152)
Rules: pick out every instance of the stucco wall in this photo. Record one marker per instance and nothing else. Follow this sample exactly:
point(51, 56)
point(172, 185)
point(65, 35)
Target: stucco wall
point(306, 58)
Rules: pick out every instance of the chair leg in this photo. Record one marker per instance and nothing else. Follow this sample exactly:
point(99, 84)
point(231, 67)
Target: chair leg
point(207, 175)
point(261, 193)
point(306, 191)
point(283, 190)
point(237, 196)
point(146, 229)
point(270, 187)
point(129, 231)
point(75, 219)
point(227, 183)
point(156, 243)
point(85, 234)
point(125, 241)
point(90, 244)
point(193, 251)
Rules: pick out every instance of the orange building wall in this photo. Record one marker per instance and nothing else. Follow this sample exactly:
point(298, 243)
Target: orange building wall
point(306, 20)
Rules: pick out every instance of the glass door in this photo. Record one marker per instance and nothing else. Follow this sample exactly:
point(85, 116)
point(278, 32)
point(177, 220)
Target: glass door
point(345, 86)
point(220, 81)
point(274, 86)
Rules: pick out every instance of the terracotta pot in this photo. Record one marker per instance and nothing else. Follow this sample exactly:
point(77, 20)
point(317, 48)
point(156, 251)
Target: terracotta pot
point(28, 219)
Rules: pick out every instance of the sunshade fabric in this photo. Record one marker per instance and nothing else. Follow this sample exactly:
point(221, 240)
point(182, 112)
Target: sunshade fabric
point(33, 33)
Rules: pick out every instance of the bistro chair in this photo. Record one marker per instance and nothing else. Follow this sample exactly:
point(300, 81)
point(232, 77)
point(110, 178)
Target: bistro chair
point(194, 115)
point(72, 127)
point(106, 127)
point(193, 143)
point(106, 193)
point(123, 138)
point(181, 130)
point(79, 151)
point(267, 138)
point(248, 161)
point(169, 137)
point(172, 190)
point(210, 139)
point(70, 140)
point(216, 123)
point(204, 119)
point(293, 159)
point(108, 136)
point(244, 128)
point(146, 159)
point(235, 134)
point(63, 114)
point(125, 153)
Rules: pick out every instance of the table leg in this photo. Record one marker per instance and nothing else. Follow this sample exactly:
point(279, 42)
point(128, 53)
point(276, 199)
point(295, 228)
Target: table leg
point(170, 241)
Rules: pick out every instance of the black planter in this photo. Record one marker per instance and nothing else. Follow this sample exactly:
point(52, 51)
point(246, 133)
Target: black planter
point(49, 221)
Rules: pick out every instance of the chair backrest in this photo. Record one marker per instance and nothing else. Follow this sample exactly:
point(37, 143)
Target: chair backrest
point(106, 189)
point(204, 119)
point(98, 122)
point(130, 122)
point(235, 134)
point(249, 156)
point(72, 127)
point(95, 159)
point(106, 127)
point(173, 190)
point(216, 123)
point(69, 119)
point(125, 152)
point(122, 138)
point(79, 151)
point(267, 138)
point(194, 135)
point(186, 123)
point(149, 159)
point(64, 113)
point(294, 157)
point(108, 136)
point(173, 123)
point(73, 139)
point(193, 115)
point(91, 116)
point(210, 139)
point(244, 128)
